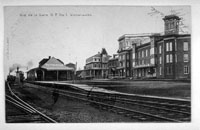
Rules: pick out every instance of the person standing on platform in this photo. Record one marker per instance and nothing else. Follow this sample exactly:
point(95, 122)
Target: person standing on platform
point(55, 94)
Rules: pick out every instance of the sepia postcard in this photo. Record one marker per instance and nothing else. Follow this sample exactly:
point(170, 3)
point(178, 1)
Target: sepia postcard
point(96, 65)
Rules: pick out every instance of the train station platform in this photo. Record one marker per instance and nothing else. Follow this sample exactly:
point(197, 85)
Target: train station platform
point(93, 88)
point(80, 86)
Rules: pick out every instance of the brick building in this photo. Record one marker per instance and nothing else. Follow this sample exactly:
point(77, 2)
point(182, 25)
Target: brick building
point(174, 55)
point(97, 65)
point(113, 63)
point(154, 55)
point(125, 57)
point(137, 55)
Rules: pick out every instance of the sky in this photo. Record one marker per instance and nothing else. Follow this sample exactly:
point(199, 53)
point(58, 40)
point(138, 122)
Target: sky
point(74, 33)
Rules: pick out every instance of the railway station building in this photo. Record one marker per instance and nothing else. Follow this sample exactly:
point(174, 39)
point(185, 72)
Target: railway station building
point(50, 69)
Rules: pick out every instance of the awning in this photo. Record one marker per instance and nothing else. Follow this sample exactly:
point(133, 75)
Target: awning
point(52, 68)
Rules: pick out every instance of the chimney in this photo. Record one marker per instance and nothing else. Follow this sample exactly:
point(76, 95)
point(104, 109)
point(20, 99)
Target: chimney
point(49, 57)
point(17, 69)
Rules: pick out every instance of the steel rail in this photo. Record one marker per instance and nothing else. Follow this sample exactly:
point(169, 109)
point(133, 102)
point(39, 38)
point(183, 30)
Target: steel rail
point(125, 101)
point(132, 103)
point(161, 108)
point(20, 106)
point(129, 101)
point(152, 102)
point(121, 108)
point(45, 117)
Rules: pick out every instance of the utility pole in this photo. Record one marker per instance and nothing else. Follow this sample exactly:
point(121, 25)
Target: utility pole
point(75, 72)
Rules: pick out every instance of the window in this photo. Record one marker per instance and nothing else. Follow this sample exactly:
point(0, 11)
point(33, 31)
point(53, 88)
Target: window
point(133, 63)
point(175, 58)
point(175, 46)
point(170, 58)
point(126, 43)
point(160, 60)
point(170, 46)
point(127, 56)
point(133, 55)
point(142, 62)
point(152, 60)
point(142, 53)
point(160, 70)
point(172, 24)
point(160, 49)
point(167, 58)
point(127, 64)
point(127, 72)
point(186, 69)
point(121, 64)
point(167, 44)
point(185, 58)
point(152, 51)
point(123, 57)
point(146, 52)
point(185, 46)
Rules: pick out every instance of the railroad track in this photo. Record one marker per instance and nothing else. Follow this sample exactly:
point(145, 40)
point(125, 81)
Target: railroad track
point(18, 111)
point(143, 108)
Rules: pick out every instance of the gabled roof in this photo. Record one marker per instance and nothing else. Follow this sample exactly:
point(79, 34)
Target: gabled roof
point(53, 64)
point(43, 61)
point(103, 51)
point(97, 55)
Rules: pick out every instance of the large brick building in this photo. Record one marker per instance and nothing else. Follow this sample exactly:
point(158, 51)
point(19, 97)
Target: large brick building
point(113, 64)
point(154, 55)
point(136, 55)
point(148, 55)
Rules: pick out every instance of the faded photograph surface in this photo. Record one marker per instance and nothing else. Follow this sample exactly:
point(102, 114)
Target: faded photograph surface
point(97, 64)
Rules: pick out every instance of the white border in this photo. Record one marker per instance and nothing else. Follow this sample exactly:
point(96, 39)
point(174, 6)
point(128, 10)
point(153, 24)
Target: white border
point(194, 125)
